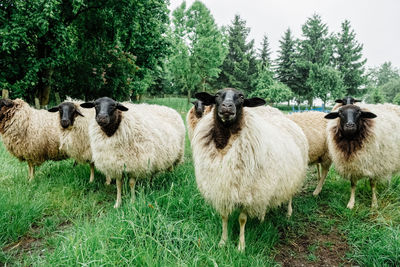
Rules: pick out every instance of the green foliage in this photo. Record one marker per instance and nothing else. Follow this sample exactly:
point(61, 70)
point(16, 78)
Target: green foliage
point(325, 82)
point(383, 83)
point(375, 96)
point(381, 75)
point(348, 59)
point(285, 70)
point(396, 99)
point(198, 48)
point(239, 68)
point(265, 54)
point(391, 89)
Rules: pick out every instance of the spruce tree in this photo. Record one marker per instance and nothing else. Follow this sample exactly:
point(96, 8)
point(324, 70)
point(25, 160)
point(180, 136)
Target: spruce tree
point(265, 53)
point(349, 59)
point(286, 59)
point(239, 69)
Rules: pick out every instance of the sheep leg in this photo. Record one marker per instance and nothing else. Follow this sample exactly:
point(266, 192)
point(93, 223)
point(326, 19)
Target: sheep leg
point(31, 171)
point(224, 236)
point(322, 177)
point(374, 203)
point(350, 205)
point(108, 180)
point(91, 179)
point(119, 187)
point(132, 183)
point(242, 222)
point(289, 209)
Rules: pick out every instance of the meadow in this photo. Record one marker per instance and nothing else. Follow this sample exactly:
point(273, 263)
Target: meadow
point(61, 219)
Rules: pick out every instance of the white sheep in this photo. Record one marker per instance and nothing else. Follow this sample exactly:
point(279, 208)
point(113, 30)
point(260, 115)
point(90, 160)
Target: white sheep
point(139, 142)
point(313, 125)
point(194, 115)
point(74, 138)
point(361, 146)
point(247, 157)
point(29, 134)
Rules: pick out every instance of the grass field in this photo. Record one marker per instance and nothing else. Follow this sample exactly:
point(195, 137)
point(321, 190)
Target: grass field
point(61, 219)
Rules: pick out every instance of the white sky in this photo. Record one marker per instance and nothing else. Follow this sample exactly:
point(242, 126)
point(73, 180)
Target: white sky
point(375, 22)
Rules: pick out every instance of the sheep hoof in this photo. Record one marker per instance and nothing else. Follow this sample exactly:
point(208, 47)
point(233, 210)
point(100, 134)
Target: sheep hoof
point(350, 205)
point(241, 247)
point(116, 206)
point(316, 192)
point(221, 243)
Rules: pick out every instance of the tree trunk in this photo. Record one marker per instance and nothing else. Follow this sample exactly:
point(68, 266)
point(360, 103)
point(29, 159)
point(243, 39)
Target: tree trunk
point(203, 84)
point(43, 87)
point(4, 93)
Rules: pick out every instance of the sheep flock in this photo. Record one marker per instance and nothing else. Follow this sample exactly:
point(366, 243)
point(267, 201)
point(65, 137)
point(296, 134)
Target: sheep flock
point(247, 156)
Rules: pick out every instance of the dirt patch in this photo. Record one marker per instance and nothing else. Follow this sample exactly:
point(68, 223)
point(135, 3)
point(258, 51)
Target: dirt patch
point(314, 249)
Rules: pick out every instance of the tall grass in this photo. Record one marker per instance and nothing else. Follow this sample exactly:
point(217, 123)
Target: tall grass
point(61, 219)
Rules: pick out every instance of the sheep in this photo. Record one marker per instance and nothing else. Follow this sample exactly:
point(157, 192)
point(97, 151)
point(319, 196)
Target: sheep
point(74, 138)
point(313, 125)
point(29, 134)
point(247, 156)
point(362, 146)
point(195, 114)
point(138, 139)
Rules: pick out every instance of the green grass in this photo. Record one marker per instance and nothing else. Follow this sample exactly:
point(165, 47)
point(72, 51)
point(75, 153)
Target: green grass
point(61, 219)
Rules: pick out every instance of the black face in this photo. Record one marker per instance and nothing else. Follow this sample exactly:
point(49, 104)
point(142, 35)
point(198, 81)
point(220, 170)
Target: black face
point(348, 100)
point(229, 103)
point(198, 107)
point(68, 113)
point(106, 110)
point(350, 116)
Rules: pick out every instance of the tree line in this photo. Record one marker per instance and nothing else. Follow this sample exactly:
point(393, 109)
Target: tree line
point(129, 48)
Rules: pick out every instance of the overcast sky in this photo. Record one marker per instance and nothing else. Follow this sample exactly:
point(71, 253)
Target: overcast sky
point(376, 23)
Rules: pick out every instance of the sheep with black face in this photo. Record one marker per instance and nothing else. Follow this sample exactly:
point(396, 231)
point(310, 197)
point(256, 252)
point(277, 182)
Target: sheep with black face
point(247, 156)
point(363, 141)
point(347, 100)
point(136, 139)
point(29, 134)
point(195, 114)
point(74, 138)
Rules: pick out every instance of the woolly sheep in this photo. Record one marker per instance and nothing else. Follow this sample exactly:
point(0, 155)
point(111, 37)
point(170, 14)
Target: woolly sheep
point(29, 134)
point(361, 146)
point(313, 125)
point(195, 114)
point(74, 138)
point(140, 141)
point(247, 157)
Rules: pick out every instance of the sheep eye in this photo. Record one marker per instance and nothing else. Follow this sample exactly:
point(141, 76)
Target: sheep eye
point(241, 96)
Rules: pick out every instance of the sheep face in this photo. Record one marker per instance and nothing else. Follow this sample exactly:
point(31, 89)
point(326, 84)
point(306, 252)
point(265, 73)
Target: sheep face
point(68, 112)
point(108, 115)
point(199, 108)
point(348, 100)
point(229, 104)
point(350, 117)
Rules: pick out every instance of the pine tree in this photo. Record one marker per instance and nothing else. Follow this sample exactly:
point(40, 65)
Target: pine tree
point(239, 69)
point(286, 59)
point(265, 53)
point(348, 59)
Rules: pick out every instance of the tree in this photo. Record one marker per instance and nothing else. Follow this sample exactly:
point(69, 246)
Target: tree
point(348, 59)
point(198, 48)
point(265, 53)
point(325, 82)
point(378, 76)
point(314, 49)
point(239, 68)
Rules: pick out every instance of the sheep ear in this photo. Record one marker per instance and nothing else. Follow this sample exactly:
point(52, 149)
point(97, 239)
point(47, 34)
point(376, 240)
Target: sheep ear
point(54, 109)
point(367, 115)
point(193, 102)
point(77, 111)
point(332, 115)
point(122, 107)
point(87, 105)
point(339, 101)
point(356, 100)
point(6, 102)
point(253, 102)
point(206, 98)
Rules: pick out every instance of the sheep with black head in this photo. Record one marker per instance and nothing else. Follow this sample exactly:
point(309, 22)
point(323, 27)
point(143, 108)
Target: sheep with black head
point(74, 138)
point(136, 139)
point(363, 141)
point(247, 156)
point(195, 114)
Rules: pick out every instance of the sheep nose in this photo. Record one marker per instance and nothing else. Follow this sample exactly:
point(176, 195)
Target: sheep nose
point(228, 105)
point(350, 124)
point(64, 123)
